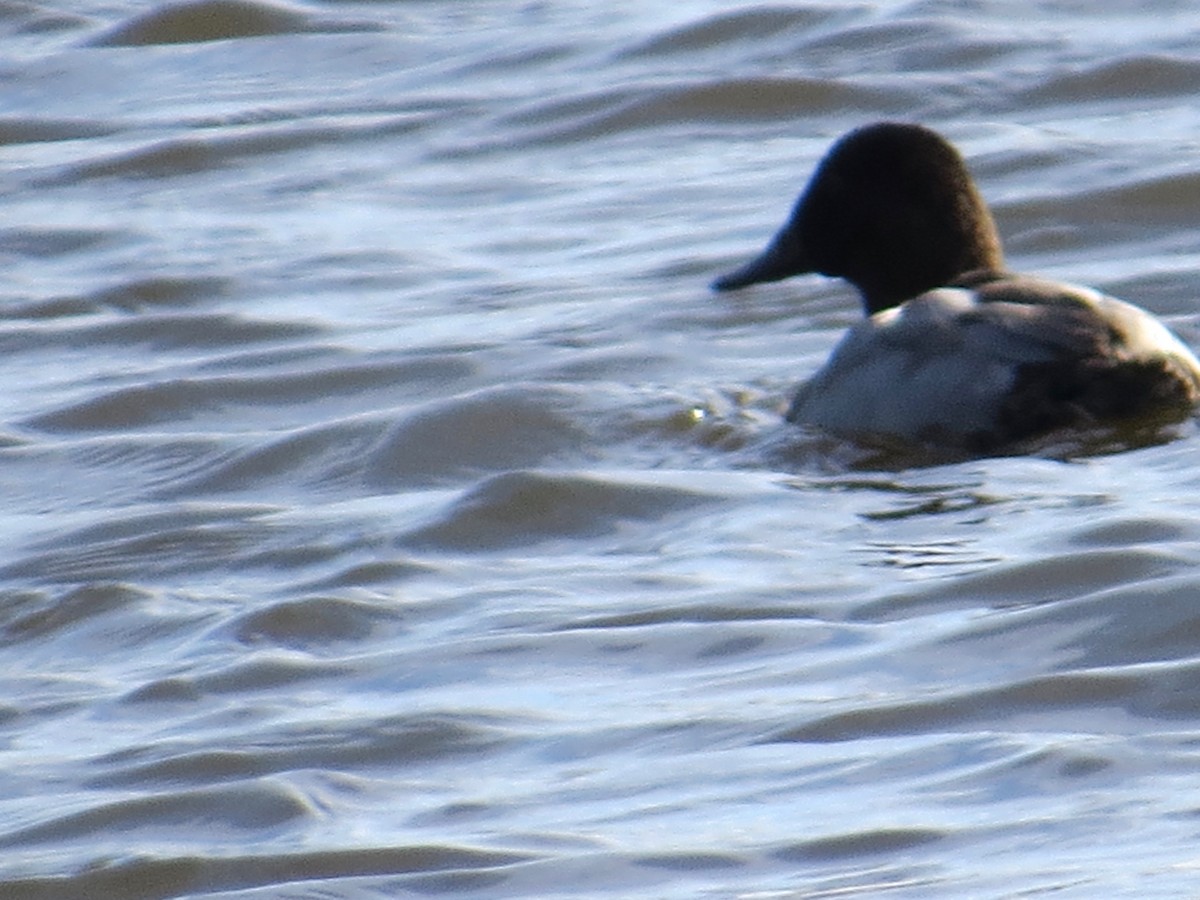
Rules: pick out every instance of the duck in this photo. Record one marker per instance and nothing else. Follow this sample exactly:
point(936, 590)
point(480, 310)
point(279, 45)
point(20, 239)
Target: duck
point(955, 351)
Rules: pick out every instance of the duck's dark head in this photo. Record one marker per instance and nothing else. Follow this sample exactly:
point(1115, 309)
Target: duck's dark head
point(892, 209)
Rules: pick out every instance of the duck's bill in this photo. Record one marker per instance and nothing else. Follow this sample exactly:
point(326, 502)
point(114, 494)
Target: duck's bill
point(783, 258)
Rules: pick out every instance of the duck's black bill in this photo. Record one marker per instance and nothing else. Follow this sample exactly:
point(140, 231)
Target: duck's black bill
point(783, 258)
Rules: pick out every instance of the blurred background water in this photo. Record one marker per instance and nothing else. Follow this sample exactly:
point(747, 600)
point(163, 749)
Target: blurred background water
point(389, 509)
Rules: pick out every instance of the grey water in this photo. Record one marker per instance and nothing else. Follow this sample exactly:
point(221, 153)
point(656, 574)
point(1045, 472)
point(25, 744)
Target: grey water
point(389, 508)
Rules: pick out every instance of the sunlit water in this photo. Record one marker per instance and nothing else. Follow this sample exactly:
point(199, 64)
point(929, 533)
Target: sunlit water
point(391, 510)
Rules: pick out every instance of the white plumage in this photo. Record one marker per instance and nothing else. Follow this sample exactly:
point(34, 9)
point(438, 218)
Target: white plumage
point(940, 367)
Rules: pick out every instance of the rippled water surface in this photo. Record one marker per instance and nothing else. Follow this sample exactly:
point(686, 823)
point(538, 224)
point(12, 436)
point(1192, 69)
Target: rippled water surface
point(391, 510)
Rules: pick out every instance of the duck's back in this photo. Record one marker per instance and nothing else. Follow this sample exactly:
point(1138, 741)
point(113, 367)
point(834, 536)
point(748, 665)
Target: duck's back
point(997, 361)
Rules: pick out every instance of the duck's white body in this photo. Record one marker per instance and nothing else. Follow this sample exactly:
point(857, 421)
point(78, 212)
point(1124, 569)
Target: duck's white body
point(943, 366)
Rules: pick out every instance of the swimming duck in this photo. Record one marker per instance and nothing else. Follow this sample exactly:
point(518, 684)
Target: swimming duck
point(955, 351)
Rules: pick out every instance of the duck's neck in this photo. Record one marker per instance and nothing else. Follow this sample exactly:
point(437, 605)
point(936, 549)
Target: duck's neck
point(880, 294)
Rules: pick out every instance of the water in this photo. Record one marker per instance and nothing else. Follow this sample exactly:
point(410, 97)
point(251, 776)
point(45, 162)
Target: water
point(391, 510)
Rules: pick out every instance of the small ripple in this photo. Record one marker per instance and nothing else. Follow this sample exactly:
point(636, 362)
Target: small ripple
point(264, 672)
point(142, 294)
point(30, 18)
point(161, 331)
point(915, 44)
point(1081, 701)
point(332, 743)
point(234, 810)
point(1136, 78)
point(758, 99)
point(321, 456)
point(49, 243)
point(1119, 532)
point(492, 430)
point(519, 508)
point(370, 574)
point(456, 868)
point(189, 156)
point(140, 460)
point(94, 621)
point(690, 862)
point(17, 130)
point(189, 538)
point(182, 400)
point(217, 20)
point(692, 614)
point(135, 296)
point(722, 28)
point(1027, 773)
point(865, 843)
point(34, 616)
point(1023, 584)
point(1162, 200)
point(314, 622)
point(200, 767)
point(1150, 622)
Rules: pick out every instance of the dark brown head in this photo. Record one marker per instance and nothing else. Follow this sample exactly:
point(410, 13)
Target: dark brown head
point(892, 209)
